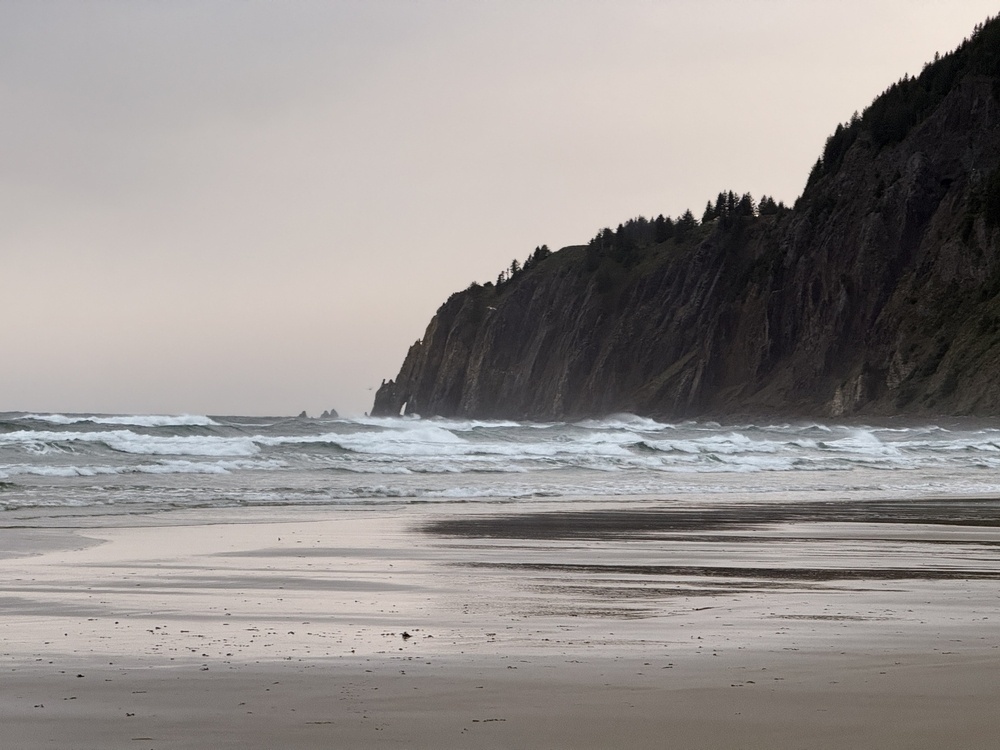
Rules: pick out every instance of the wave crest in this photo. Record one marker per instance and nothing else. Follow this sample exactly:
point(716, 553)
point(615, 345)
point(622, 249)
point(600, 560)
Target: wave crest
point(124, 420)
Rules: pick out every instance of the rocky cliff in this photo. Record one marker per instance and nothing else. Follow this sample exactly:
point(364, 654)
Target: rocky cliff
point(878, 293)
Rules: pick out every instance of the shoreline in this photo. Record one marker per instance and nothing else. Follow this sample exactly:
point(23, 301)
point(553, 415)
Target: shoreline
point(265, 632)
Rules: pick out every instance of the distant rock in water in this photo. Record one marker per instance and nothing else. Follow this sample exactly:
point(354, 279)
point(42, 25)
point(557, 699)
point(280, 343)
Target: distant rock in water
point(329, 414)
point(303, 415)
point(877, 294)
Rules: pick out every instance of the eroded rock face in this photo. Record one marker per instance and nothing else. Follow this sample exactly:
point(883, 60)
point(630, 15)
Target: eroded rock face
point(877, 294)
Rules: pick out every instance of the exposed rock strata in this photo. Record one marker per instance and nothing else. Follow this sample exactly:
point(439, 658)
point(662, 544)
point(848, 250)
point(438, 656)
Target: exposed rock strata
point(878, 294)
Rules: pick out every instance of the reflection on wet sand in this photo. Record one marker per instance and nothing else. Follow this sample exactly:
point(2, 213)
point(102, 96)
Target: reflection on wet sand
point(637, 561)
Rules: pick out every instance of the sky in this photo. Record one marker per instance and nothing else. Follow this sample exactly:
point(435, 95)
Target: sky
point(250, 207)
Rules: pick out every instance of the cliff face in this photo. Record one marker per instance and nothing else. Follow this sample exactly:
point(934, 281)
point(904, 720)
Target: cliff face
point(878, 293)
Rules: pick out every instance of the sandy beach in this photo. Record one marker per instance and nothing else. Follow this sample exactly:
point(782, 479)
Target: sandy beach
point(411, 627)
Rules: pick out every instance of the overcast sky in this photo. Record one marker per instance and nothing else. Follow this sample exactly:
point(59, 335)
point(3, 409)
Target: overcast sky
point(256, 207)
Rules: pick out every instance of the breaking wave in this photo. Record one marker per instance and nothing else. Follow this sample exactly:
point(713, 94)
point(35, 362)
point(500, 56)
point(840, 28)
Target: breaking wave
point(136, 420)
point(226, 460)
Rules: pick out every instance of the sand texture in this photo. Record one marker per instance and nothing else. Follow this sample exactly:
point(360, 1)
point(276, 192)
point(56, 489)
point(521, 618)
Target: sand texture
point(414, 627)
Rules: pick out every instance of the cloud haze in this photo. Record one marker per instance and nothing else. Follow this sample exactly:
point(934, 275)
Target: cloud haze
point(249, 207)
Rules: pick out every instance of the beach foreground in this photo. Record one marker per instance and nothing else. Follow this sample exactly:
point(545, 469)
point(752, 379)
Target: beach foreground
point(422, 627)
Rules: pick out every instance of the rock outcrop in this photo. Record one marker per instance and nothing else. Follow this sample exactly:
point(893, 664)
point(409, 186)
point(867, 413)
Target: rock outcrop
point(879, 293)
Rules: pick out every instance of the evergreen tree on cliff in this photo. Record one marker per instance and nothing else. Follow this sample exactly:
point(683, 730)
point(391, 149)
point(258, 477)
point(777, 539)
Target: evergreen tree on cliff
point(878, 293)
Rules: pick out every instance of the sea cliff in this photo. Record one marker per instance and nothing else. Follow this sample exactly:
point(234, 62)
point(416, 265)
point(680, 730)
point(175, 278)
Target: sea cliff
point(878, 293)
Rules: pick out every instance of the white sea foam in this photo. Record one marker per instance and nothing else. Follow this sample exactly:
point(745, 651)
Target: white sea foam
point(625, 422)
point(126, 441)
point(177, 466)
point(456, 425)
point(472, 492)
point(467, 425)
point(135, 420)
point(376, 459)
point(862, 443)
point(419, 439)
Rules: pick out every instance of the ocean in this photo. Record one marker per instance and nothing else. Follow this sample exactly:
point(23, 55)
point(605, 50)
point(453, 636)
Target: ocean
point(134, 464)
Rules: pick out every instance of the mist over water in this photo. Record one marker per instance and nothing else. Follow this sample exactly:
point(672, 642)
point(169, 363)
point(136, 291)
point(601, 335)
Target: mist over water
point(138, 463)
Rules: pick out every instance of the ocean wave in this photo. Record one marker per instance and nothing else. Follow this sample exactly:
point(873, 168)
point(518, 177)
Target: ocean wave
point(625, 421)
point(455, 425)
point(126, 441)
point(161, 467)
point(126, 420)
point(232, 461)
point(419, 439)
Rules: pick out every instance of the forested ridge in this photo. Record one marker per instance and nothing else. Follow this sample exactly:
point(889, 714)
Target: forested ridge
point(876, 292)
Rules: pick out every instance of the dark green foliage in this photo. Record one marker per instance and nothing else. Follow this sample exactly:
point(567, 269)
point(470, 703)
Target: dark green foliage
point(612, 252)
point(730, 208)
point(663, 229)
point(540, 253)
point(515, 269)
point(906, 103)
point(476, 292)
point(626, 249)
point(815, 173)
point(623, 245)
point(684, 225)
point(768, 207)
point(598, 247)
point(838, 143)
point(892, 115)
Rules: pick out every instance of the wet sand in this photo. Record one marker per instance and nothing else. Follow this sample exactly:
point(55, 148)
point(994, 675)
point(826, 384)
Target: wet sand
point(423, 627)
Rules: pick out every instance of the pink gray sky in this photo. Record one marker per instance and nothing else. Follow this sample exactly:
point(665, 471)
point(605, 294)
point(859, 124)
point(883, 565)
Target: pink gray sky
point(248, 207)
